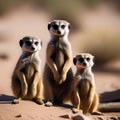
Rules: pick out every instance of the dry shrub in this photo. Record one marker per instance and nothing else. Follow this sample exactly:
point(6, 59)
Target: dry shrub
point(103, 45)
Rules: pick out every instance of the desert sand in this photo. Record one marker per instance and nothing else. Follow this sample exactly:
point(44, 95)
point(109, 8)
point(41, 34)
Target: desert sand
point(16, 25)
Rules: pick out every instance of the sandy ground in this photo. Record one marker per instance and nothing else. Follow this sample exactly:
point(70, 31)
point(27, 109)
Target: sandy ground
point(16, 25)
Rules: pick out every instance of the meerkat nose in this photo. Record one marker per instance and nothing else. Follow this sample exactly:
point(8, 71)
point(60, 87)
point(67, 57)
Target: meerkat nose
point(32, 48)
point(84, 64)
point(58, 32)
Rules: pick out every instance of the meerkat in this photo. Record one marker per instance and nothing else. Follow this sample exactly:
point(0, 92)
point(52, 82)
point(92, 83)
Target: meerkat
point(26, 78)
point(58, 75)
point(85, 84)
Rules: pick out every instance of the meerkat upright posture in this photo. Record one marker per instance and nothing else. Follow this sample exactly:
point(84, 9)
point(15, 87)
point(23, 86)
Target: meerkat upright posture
point(58, 74)
point(85, 85)
point(26, 78)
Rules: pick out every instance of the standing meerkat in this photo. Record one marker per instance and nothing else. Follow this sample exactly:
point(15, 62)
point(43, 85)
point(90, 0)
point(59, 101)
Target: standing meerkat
point(58, 74)
point(26, 78)
point(85, 85)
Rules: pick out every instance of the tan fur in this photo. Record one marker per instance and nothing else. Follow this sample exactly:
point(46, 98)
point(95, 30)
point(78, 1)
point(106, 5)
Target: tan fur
point(57, 72)
point(85, 85)
point(26, 78)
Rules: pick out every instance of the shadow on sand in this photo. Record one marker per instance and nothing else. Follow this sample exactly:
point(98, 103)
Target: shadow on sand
point(6, 99)
point(112, 96)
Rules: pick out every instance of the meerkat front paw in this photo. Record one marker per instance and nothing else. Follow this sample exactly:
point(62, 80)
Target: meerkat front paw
point(62, 78)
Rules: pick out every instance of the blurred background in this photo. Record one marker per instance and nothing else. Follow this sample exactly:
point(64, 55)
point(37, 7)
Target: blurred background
point(95, 28)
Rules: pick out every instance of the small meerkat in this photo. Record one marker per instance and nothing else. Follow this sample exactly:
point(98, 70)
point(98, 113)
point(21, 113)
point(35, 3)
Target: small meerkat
point(58, 74)
point(26, 78)
point(85, 84)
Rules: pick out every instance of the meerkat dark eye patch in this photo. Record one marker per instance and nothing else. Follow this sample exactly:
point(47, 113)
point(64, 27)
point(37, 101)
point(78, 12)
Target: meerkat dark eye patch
point(55, 27)
point(28, 43)
point(36, 43)
point(81, 60)
point(62, 26)
point(88, 59)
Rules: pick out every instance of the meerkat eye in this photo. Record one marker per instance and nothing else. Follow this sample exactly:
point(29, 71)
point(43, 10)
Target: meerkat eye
point(36, 43)
point(88, 59)
point(62, 26)
point(28, 43)
point(81, 60)
point(55, 27)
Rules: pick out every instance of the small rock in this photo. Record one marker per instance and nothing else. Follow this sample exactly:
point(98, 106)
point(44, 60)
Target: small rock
point(17, 116)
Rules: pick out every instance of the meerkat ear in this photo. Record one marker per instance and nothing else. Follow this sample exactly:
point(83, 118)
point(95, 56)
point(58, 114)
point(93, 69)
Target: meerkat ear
point(41, 43)
point(74, 60)
point(49, 25)
point(93, 58)
point(69, 26)
point(21, 42)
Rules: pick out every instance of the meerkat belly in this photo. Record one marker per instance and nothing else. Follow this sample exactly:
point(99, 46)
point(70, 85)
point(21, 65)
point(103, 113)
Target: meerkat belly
point(84, 89)
point(29, 73)
point(59, 60)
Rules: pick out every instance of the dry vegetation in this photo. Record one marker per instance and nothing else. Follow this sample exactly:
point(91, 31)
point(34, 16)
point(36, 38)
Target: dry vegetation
point(103, 45)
